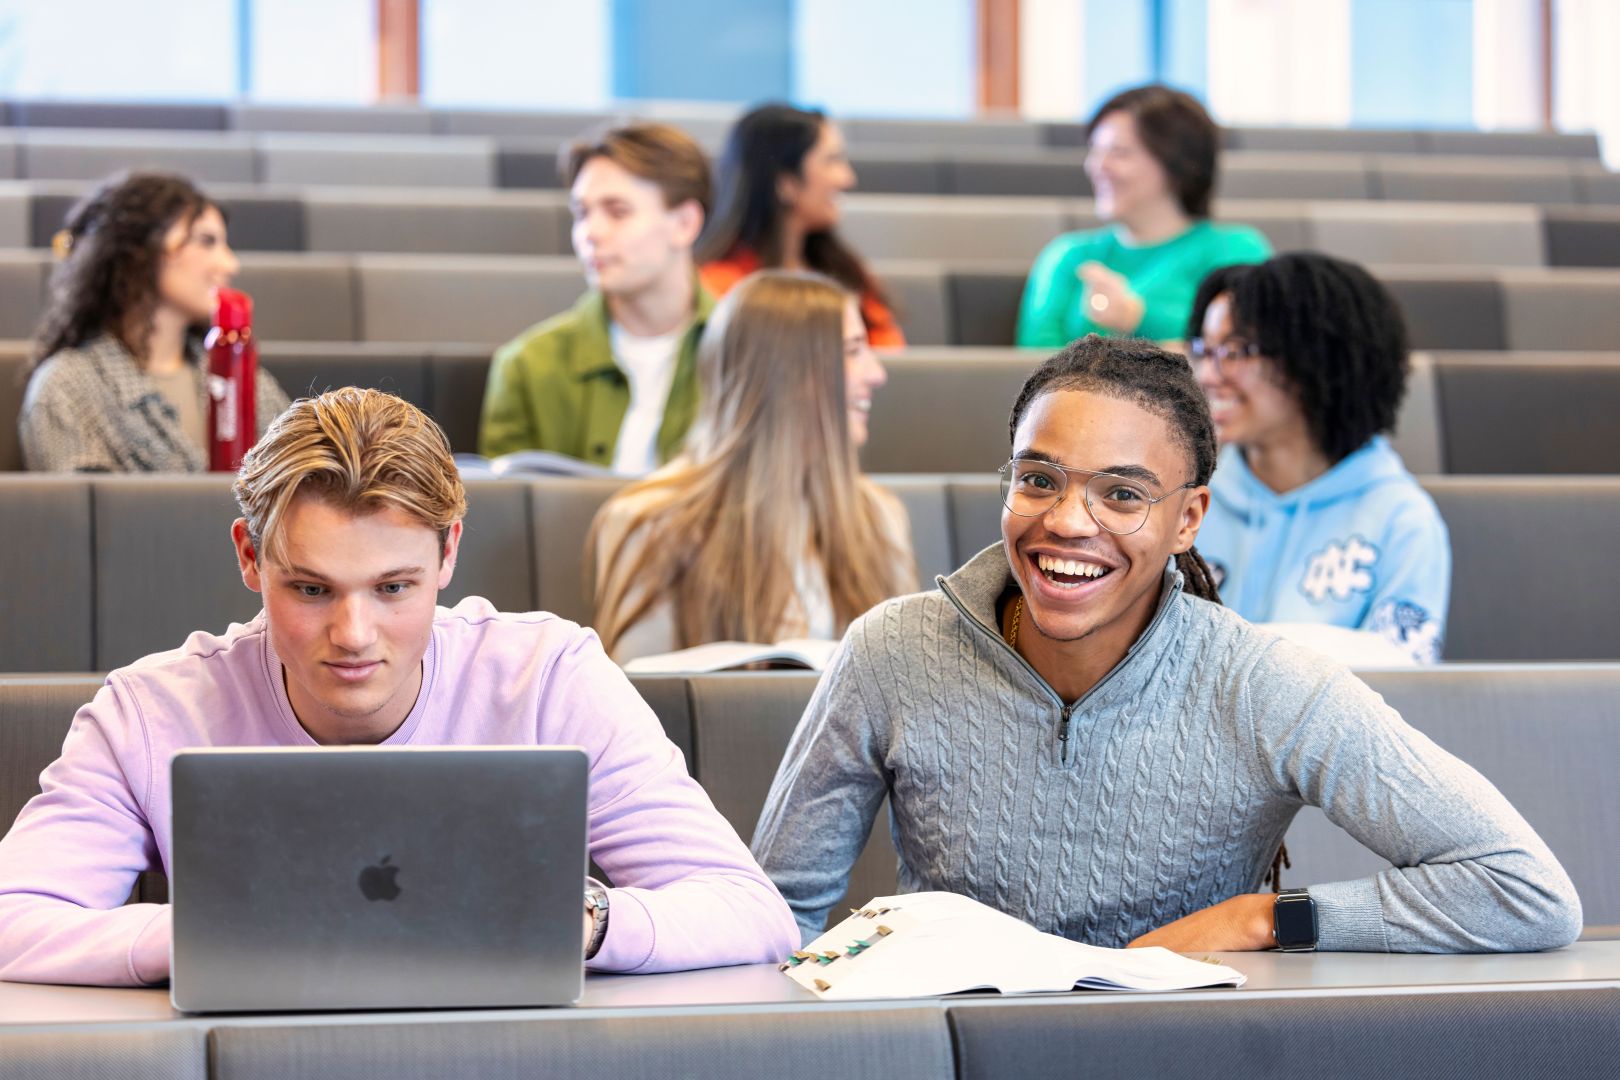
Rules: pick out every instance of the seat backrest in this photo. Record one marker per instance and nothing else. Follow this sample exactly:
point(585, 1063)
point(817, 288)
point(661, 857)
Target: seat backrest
point(1418, 428)
point(984, 302)
point(460, 298)
point(1426, 234)
point(944, 412)
point(1530, 564)
point(456, 379)
point(376, 160)
point(163, 563)
point(1581, 235)
point(13, 385)
point(920, 298)
point(207, 157)
point(1446, 178)
point(301, 296)
point(45, 531)
point(363, 219)
point(741, 724)
point(1543, 734)
point(563, 509)
point(1561, 309)
point(1529, 413)
point(35, 714)
point(1461, 309)
point(22, 292)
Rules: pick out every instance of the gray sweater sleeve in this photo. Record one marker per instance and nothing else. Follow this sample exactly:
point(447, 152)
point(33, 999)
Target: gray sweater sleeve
point(1467, 873)
point(829, 786)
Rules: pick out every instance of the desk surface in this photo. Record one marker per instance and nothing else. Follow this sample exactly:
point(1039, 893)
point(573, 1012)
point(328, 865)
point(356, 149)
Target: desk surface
point(1586, 963)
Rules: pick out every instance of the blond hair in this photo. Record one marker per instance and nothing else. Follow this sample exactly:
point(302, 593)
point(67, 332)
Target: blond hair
point(769, 473)
point(359, 450)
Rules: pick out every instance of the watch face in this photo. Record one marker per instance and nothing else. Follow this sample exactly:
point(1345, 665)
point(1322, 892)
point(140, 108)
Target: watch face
point(1296, 922)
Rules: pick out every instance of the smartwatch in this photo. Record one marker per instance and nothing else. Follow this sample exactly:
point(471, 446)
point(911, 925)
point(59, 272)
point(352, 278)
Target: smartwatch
point(596, 902)
point(1293, 924)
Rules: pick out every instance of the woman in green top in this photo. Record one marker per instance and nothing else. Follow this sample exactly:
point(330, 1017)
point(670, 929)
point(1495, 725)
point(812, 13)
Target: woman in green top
point(1151, 160)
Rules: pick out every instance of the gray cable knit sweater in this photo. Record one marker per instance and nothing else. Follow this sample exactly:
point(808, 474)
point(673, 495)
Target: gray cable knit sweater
point(1164, 790)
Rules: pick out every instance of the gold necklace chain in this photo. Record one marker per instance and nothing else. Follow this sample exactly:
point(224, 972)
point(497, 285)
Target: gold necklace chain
point(1018, 614)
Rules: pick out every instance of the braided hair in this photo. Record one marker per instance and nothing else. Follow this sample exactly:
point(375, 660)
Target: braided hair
point(1162, 383)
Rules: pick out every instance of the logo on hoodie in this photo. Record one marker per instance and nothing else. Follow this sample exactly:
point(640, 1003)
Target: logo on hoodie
point(1339, 570)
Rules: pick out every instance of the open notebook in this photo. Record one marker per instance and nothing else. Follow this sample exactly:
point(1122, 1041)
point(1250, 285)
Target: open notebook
point(930, 943)
point(812, 653)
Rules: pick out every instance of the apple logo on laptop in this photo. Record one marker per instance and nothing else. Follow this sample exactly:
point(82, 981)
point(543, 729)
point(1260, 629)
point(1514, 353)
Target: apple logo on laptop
point(377, 882)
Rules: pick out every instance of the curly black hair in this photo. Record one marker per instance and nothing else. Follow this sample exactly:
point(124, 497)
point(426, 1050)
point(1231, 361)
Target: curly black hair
point(1161, 382)
point(113, 241)
point(1334, 335)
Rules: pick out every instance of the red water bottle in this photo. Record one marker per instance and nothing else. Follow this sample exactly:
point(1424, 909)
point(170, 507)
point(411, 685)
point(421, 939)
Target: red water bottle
point(233, 369)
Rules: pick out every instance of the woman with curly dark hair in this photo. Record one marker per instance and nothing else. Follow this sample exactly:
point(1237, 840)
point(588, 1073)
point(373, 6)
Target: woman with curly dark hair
point(1313, 518)
point(118, 384)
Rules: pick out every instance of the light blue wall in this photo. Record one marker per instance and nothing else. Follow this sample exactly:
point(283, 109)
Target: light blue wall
point(1131, 42)
point(703, 50)
point(1412, 63)
point(888, 58)
point(1118, 48)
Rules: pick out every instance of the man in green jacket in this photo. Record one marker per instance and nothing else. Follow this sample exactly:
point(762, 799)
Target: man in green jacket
point(613, 381)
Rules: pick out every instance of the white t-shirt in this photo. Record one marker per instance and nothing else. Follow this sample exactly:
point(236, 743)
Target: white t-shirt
point(649, 363)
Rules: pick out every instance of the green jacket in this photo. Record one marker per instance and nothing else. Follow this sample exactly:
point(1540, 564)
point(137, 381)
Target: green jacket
point(556, 387)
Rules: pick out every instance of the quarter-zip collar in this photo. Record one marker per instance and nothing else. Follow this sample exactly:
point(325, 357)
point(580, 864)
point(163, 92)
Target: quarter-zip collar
point(975, 588)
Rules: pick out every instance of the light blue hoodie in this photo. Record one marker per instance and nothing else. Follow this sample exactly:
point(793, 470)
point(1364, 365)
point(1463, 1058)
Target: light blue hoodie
point(1361, 546)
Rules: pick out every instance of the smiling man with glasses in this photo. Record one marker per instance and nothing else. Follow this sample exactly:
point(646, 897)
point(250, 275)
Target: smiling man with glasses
point(1073, 730)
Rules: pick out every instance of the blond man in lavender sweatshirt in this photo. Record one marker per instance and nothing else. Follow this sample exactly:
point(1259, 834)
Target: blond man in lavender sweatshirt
point(351, 521)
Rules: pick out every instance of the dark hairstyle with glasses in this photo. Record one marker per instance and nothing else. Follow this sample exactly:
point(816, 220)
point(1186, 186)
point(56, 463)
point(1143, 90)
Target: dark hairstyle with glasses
point(1179, 134)
point(1332, 335)
point(1161, 382)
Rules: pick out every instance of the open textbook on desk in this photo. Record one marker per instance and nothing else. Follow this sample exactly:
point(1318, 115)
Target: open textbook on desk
point(812, 653)
point(930, 943)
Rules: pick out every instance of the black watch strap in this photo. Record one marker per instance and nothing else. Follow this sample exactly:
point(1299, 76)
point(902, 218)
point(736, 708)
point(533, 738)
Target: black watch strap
point(1293, 921)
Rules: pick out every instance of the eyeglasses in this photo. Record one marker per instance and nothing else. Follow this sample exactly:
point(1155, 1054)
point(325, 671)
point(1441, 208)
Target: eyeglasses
point(1228, 357)
point(1030, 488)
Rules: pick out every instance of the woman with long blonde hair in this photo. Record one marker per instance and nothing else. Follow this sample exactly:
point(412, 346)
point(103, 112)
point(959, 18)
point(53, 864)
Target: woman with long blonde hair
point(763, 529)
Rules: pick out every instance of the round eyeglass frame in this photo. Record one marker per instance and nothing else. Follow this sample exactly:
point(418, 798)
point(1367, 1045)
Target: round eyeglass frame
point(1198, 349)
point(1006, 474)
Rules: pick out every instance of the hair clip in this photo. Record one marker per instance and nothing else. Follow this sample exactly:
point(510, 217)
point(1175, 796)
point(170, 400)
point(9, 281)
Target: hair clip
point(62, 243)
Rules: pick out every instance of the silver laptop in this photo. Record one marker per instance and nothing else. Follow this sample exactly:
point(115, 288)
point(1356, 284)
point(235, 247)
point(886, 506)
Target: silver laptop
point(369, 878)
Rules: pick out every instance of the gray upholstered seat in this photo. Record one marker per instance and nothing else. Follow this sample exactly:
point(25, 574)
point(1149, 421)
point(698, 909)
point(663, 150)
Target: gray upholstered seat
point(376, 160)
point(361, 120)
point(1259, 174)
point(1448, 309)
point(1545, 736)
point(300, 296)
point(951, 227)
point(945, 410)
point(45, 532)
point(13, 384)
point(1532, 567)
point(918, 294)
point(1012, 134)
point(14, 208)
point(1565, 309)
point(1012, 172)
point(22, 291)
point(899, 170)
point(1323, 139)
point(259, 219)
point(1582, 236)
point(207, 157)
point(1445, 178)
point(155, 116)
point(1497, 144)
point(432, 222)
point(1426, 234)
point(450, 298)
point(1527, 413)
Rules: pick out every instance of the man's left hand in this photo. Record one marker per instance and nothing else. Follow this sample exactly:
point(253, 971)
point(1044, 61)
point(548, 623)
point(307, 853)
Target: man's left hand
point(1241, 924)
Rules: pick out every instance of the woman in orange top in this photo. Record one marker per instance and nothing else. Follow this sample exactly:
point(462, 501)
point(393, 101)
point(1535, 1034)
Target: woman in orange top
point(780, 178)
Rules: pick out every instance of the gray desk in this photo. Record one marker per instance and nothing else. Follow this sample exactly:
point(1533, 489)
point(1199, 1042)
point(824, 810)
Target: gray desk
point(1584, 964)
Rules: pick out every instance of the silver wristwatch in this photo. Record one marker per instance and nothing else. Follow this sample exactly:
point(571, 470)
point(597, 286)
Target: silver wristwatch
point(596, 902)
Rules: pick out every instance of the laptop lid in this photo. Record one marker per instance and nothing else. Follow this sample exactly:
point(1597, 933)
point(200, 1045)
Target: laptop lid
point(371, 878)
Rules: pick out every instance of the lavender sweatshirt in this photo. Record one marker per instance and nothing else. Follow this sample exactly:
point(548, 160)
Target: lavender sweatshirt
point(689, 894)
